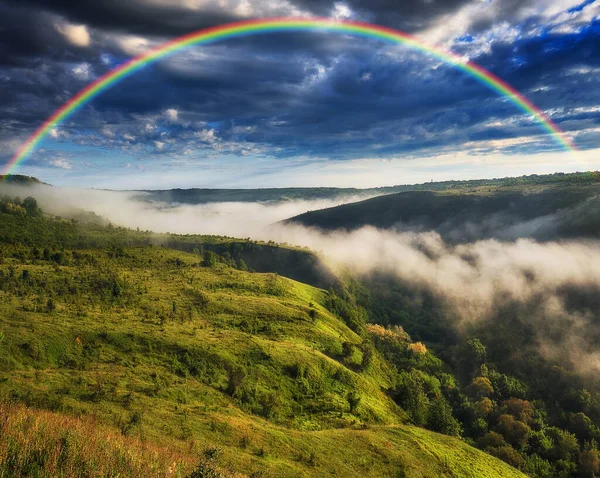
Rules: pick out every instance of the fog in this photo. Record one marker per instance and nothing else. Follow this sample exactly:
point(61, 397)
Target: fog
point(130, 209)
point(474, 279)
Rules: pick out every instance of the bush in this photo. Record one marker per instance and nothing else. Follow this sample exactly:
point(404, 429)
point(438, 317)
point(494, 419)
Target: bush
point(441, 420)
point(209, 259)
point(508, 454)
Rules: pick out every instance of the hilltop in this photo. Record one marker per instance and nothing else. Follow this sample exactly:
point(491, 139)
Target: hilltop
point(539, 210)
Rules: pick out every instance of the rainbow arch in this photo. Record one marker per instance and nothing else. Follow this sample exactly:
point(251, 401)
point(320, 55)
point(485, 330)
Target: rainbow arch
point(286, 24)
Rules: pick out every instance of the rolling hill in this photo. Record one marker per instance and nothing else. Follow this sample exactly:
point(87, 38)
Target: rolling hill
point(122, 355)
point(541, 212)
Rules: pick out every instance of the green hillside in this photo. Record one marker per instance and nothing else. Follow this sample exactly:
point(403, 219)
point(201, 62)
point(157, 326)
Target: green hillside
point(193, 362)
point(542, 211)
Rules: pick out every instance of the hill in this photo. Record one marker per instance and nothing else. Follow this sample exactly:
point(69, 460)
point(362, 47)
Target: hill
point(539, 211)
point(112, 339)
point(278, 195)
point(266, 195)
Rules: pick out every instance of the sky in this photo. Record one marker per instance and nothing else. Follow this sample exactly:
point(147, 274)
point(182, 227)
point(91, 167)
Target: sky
point(298, 109)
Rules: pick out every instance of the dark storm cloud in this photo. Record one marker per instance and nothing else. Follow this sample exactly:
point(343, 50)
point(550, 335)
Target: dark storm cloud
point(27, 37)
point(170, 18)
point(132, 16)
point(288, 94)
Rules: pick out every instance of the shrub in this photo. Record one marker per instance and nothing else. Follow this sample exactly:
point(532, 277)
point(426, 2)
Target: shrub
point(508, 454)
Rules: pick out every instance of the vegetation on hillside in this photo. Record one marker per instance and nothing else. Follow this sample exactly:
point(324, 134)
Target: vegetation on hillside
point(191, 352)
point(544, 211)
point(540, 415)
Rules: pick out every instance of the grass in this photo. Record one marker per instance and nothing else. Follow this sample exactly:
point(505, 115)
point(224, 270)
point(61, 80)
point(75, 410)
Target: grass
point(163, 359)
point(46, 444)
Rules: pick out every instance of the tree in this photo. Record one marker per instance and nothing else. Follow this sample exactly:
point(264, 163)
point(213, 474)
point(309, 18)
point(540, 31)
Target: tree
point(536, 467)
point(520, 409)
point(589, 461)
point(471, 356)
point(209, 259)
point(440, 419)
point(410, 394)
point(514, 431)
point(580, 424)
point(506, 386)
point(30, 205)
point(540, 444)
point(491, 440)
point(480, 387)
point(509, 455)
point(418, 348)
point(474, 351)
point(483, 407)
point(565, 444)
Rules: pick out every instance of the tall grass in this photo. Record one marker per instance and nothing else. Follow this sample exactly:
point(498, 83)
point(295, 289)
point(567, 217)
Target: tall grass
point(46, 444)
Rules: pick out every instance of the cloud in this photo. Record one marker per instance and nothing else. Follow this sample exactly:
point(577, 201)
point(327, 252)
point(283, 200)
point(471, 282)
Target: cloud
point(172, 114)
point(298, 94)
point(61, 163)
point(82, 71)
point(133, 45)
point(77, 35)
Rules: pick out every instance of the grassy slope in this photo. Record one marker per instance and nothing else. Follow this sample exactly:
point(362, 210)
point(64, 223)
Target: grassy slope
point(42, 443)
point(187, 357)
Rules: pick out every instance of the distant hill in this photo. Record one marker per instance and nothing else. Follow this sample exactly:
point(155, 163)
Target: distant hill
point(20, 179)
point(540, 211)
point(203, 196)
point(208, 195)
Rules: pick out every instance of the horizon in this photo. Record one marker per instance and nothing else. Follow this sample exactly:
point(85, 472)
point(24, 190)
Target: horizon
point(387, 186)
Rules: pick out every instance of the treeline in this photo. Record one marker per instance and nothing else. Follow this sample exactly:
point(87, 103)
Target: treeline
point(570, 179)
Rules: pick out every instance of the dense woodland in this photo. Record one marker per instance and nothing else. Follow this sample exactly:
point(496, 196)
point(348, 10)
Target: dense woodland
point(180, 342)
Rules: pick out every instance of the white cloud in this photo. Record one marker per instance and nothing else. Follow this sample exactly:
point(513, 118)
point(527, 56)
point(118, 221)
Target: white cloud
point(172, 114)
point(61, 163)
point(206, 136)
point(571, 22)
point(82, 71)
point(56, 133)
point(341, 11)
point(133, 45)
point(505, 25)
point(77, 35)
point(107, 132)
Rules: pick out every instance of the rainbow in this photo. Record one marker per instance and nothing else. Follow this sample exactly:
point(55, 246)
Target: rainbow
point(251, 27)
